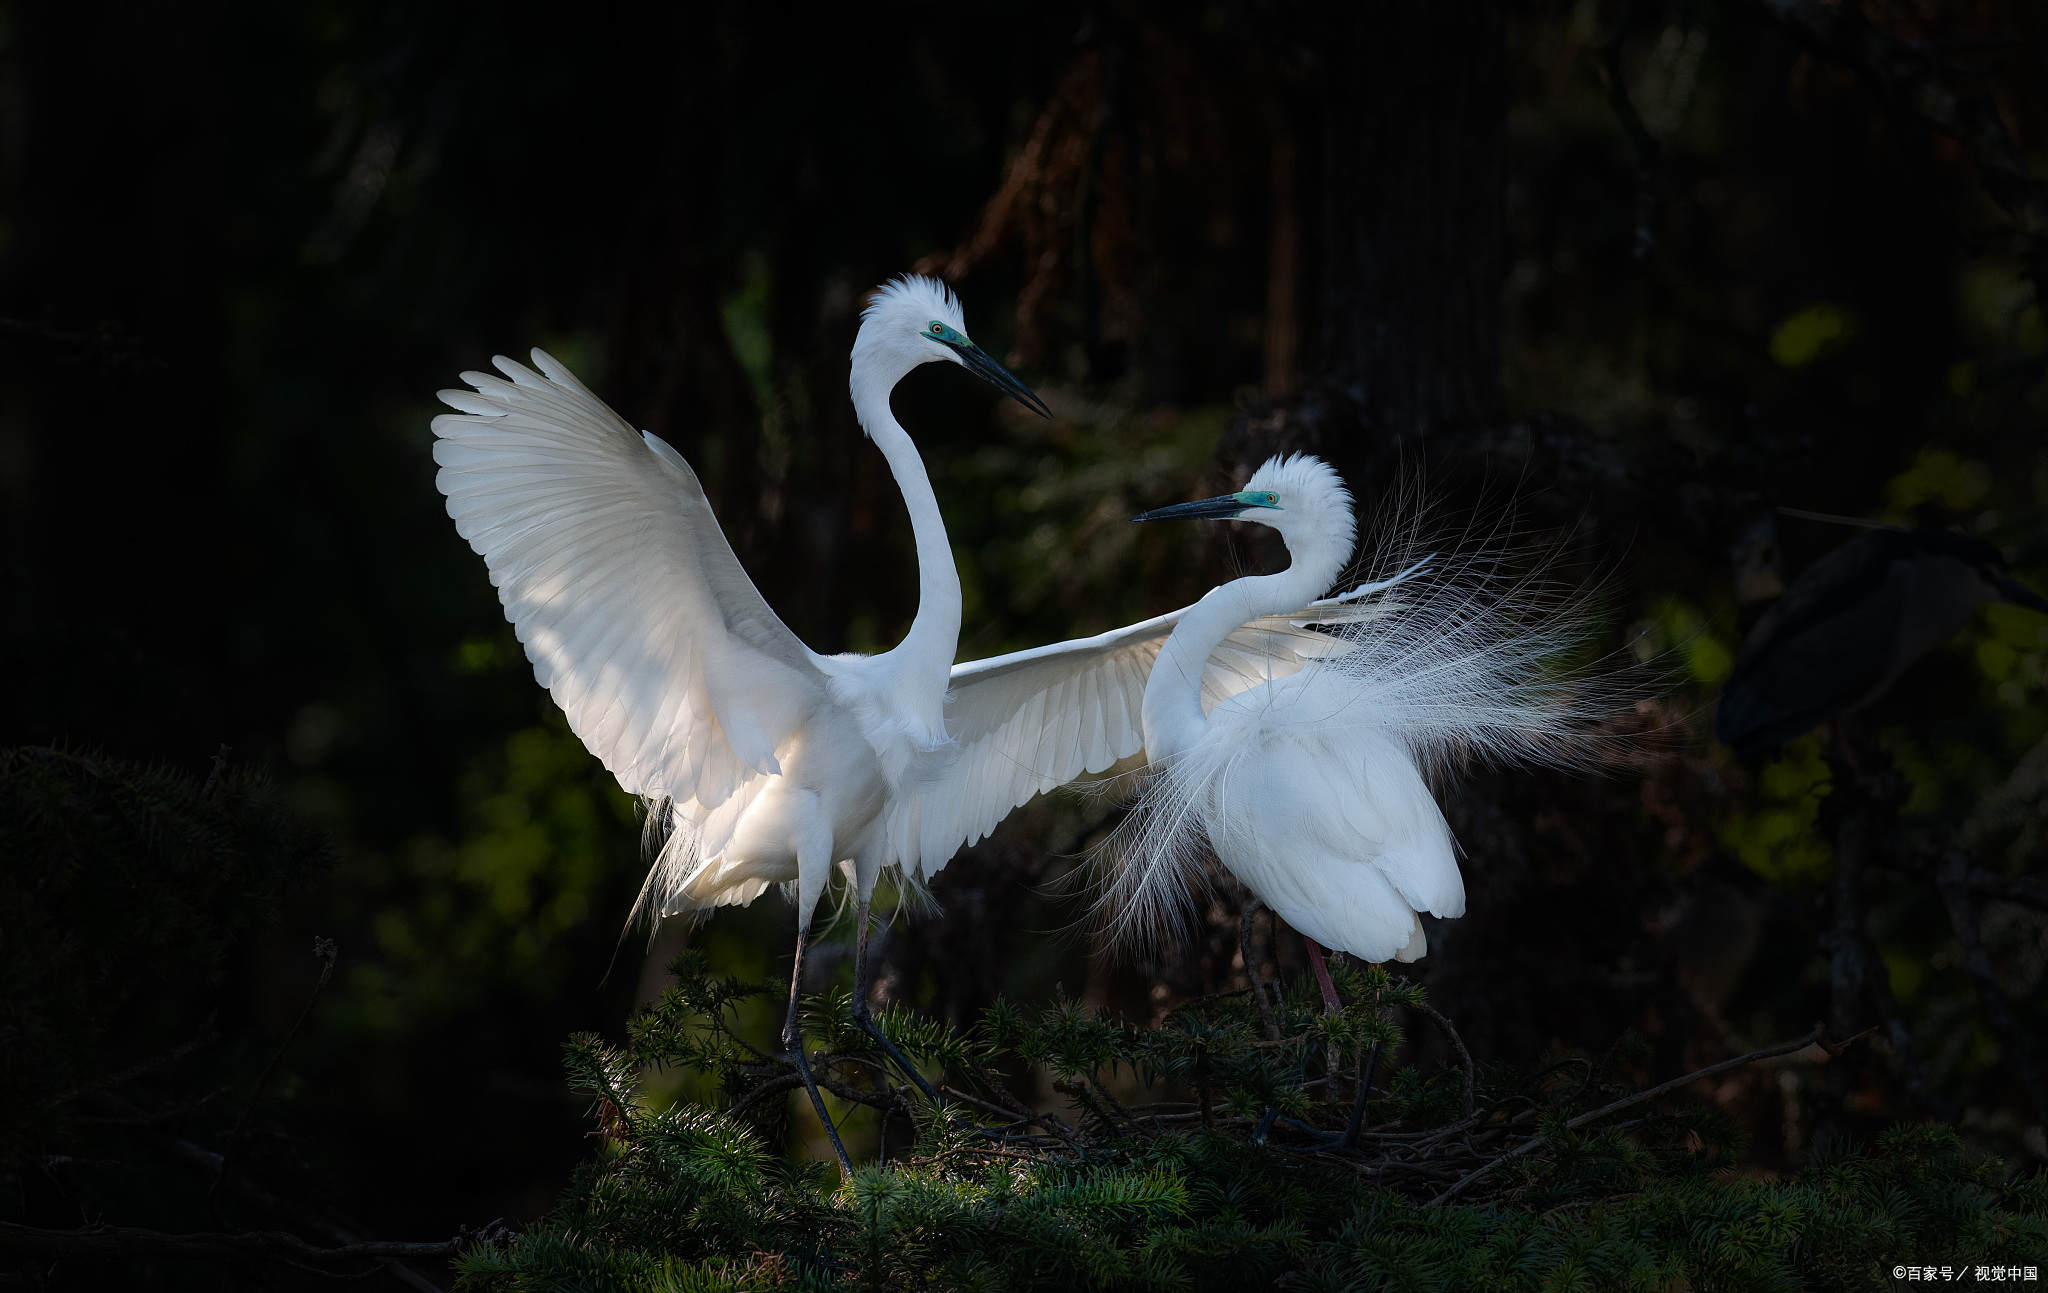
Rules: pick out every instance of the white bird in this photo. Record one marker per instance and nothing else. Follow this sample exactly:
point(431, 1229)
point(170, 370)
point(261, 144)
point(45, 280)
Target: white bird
point(767, 762)
point(1312, 789)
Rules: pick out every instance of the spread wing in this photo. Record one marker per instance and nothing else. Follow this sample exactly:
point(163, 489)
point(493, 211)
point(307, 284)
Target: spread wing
point(634, 611)
point(1028, 721)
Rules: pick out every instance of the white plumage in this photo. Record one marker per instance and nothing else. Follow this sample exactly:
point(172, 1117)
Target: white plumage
point(1311, 788)
point(778, 761)
point(770, 763)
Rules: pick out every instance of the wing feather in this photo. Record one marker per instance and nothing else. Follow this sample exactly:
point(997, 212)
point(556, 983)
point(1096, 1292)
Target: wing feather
point(621, 587)
point(1028, 721)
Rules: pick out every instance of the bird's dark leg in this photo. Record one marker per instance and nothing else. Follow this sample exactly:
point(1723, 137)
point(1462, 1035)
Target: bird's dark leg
point(864, 1017)
point(1330, 1007)
point(1351, 1128)
point(1315, 961)
point(793, 1038)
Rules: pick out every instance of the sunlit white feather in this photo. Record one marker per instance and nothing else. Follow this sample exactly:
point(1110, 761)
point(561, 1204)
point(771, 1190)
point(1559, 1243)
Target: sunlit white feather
point(767, 763)
point(1313, 789)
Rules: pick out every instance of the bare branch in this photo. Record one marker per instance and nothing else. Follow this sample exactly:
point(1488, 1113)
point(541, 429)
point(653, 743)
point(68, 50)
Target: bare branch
point(1817, 1036)
point(1464, 1056)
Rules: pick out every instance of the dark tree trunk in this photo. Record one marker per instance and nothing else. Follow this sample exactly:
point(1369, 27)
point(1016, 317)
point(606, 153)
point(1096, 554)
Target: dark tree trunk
point(1405, 302)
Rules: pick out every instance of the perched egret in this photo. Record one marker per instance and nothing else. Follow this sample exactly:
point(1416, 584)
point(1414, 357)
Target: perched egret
point(1311, 789)
point(1846, 629)
point(767, 762)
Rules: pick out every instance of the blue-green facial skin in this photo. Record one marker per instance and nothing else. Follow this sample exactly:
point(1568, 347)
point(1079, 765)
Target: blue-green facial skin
point(940, 332)
point(1259, 498)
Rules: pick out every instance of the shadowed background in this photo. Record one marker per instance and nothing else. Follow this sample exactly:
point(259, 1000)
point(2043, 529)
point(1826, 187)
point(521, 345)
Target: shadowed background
point(242, 245)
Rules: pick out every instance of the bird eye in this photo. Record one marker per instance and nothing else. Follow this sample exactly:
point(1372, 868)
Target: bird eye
point(1272, 498)
point(938, 327)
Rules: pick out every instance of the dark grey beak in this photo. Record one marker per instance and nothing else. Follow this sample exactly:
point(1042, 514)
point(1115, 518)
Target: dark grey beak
point(2012, 590)
point(996, 375)
point(1228, 507)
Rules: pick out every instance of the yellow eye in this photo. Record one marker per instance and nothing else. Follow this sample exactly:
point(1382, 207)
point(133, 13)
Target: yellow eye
point(938, 327)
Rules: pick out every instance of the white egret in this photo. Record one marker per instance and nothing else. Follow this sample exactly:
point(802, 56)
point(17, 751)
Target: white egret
point(769, 763)
point(1311, 789)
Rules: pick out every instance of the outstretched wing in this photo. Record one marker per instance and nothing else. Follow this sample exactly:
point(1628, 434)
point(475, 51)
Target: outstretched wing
point(1028, 721)
point(634, 611)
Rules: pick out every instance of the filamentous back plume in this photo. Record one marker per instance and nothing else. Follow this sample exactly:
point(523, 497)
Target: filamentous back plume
point(1314, 790)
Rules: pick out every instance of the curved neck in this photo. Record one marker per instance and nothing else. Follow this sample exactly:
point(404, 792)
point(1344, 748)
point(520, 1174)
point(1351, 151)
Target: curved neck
point(1173, 693)
point(926, 652)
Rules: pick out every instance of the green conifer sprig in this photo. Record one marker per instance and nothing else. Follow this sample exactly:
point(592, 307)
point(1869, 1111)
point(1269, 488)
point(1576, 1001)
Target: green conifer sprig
point(1179, 1193)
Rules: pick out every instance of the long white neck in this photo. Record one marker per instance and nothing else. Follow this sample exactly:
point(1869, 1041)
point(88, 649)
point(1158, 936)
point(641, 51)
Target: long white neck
point(1173, 693)
point(922, 663)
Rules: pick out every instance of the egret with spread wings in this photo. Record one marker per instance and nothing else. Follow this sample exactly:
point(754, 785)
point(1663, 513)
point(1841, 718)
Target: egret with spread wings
point(770, 763)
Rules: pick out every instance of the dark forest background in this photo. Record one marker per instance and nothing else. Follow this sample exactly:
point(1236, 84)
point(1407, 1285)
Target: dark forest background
point(1650, 270)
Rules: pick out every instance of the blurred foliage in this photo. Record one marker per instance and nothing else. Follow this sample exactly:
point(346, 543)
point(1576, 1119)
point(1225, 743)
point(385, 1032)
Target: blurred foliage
point(139, 1075)
point(544, 828)
point(122, 892)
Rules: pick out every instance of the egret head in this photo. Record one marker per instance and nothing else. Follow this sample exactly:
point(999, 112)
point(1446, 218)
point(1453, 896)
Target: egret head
point(915, 320)
point(1299, 495)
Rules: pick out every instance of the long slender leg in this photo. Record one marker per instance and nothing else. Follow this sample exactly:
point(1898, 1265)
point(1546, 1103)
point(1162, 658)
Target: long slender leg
point(1331, 1005)
point(1315, 960)
point(793, 1038)
point(863, 1016)
point(1351, 1128)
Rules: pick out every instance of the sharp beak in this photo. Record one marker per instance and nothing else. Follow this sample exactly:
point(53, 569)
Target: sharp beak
point(2012, 590)
point(996, 375)
point(1227, 508)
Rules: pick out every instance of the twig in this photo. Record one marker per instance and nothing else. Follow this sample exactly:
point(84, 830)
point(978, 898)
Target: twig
point(1052, 1123)
point(108, 345)
point(298, 1213)
point(127, 1075)
point(161, 1115)
point(1817, 1036)
point(1952, 876)
point(325, 949)
point(1464, 1056)
point(773, 1086)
